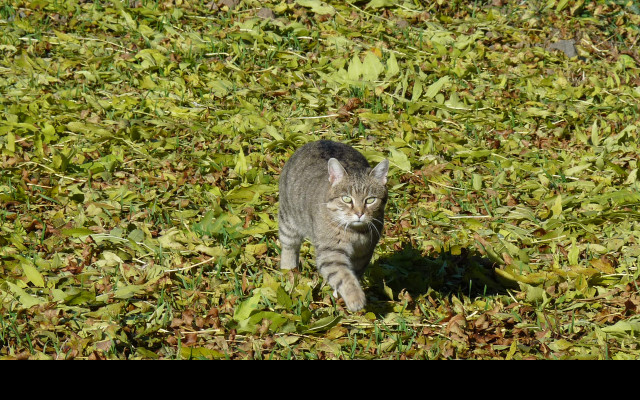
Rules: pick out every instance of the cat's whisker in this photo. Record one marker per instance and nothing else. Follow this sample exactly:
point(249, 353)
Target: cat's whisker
point(375, 227)
point(376, 220)
point(370, 232)
point(340, 223)
point(346, 225)
point(371, 224)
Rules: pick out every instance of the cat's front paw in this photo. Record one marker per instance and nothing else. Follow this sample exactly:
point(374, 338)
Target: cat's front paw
point(353, 297)
point(288, 264)
point(289, 259)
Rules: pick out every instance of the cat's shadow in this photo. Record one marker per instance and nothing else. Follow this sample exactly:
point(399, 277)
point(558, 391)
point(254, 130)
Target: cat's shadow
point(408, 271)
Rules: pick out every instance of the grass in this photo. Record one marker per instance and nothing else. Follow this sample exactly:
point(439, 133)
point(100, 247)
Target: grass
point(141, 145)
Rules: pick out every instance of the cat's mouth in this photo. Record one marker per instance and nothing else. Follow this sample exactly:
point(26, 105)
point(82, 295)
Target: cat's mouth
point(359, 225)
point(355, 223)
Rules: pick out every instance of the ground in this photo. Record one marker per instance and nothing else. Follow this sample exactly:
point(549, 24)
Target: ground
point(141, 144)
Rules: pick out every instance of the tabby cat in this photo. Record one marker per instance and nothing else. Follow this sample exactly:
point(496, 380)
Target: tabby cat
point(330, 195)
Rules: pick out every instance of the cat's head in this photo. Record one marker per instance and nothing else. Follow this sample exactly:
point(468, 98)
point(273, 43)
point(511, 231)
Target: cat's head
point(357, 200)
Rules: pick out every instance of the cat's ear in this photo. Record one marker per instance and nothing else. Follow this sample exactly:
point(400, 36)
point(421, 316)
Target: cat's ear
point(380, 171)
point(336, 171)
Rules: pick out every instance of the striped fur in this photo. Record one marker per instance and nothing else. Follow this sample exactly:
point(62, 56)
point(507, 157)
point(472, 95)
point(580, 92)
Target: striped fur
point(330, 195)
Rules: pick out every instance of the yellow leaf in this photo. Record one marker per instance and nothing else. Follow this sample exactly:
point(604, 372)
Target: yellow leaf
point(241, 163)
point(354, 71)
point(387, 290)
point(435, 87)
point(23, 297)
point(147, 83)
point(217, 251)
point(477, 181)
point(11, 142)
point(632, 177)
point(256, 249)
point(512, 349)
point(372, 67)
point(392, 66)
point(595, 139)
point(574, 253)
point(602, 265)
point(557, 206)
point(32, 274)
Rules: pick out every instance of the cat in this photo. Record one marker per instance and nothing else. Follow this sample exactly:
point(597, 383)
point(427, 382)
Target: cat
point(330, 195)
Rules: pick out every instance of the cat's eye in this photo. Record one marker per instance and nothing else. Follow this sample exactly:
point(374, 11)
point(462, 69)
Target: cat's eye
point(370, 200)
point(347, 199)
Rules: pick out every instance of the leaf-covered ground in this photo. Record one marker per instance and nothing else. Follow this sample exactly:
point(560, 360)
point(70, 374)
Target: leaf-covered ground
point(141, 144)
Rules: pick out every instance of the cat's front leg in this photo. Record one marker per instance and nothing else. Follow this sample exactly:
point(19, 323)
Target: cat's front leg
point(350, 290)
point(336, 269)
point(289, 258)
point(290, 242)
